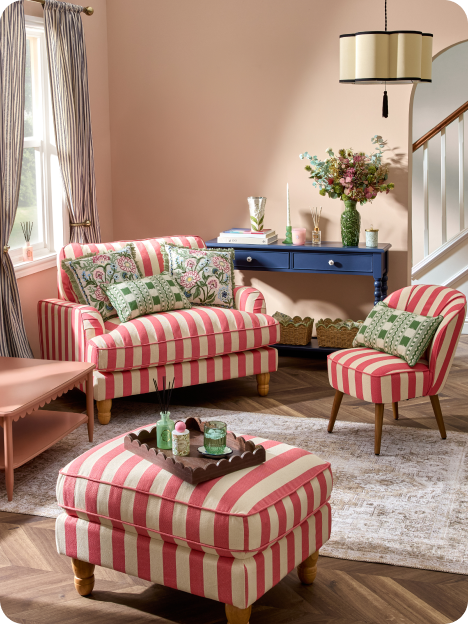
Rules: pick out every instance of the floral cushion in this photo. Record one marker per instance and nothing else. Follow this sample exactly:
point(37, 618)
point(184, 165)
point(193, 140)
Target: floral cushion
point(89, 273)
point(397, 332)
point(158, 293)
point(206, 276)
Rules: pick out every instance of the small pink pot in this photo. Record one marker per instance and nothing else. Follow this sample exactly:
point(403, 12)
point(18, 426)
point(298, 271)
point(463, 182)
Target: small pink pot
point(299, 236)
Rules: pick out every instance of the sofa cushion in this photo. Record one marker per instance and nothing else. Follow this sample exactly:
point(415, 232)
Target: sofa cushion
point(236, 515)
point(179, 336)
point(150, 257)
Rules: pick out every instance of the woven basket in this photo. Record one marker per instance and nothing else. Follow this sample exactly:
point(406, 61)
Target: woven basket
point(337, 334)
point(294, 331)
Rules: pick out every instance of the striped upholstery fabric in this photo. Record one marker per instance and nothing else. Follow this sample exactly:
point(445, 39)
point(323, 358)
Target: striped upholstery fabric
point(13, 339)
point(68, 71)
point(237, 515)
point(220, 368)
point(178, 336)
point(379, 378)
point(239, 582)
point(148, 256)
point(249, 300)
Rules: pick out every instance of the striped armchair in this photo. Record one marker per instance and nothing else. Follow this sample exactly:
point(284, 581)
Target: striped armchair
point(195, 346)
point(380, 378)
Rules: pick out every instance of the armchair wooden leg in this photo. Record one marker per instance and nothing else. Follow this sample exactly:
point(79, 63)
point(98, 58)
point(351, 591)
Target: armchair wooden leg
point(237, 616)
point(307, 570)
point(104, 411)
point(335, 409)
point(438, 414)
point(395, 410)
point(263, 384)
point(379, 411)
point(84, 576)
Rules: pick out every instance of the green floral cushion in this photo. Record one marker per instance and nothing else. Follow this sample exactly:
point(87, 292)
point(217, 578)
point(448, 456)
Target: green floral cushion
point(88, 274)
point(397, 332)
point(158, 293)
point(206, 276)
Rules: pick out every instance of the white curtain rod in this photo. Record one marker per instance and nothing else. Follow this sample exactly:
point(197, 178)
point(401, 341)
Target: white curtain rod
point(87, 10)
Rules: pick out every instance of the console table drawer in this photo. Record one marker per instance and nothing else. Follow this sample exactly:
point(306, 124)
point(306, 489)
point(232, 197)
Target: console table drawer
point(261, 259)
point(332, 262)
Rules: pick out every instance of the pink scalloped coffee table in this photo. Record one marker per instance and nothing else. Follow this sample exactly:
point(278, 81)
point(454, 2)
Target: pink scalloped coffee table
point(26, 385)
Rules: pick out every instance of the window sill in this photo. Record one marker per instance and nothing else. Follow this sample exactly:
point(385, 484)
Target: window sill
point(41, 263)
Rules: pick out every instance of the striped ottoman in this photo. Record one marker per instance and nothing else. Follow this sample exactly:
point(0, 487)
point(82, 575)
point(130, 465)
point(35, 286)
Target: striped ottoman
point(229, 539)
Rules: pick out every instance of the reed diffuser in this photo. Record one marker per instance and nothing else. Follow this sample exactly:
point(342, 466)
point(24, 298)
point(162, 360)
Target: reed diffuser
point(27, 227)
point(165, 426)
point(316, 233)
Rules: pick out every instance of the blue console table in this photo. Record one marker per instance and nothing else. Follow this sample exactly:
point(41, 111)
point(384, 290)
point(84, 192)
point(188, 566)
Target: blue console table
point(328, 257)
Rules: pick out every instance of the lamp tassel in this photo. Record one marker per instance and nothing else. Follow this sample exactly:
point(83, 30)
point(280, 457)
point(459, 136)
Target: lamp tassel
point(385, 105)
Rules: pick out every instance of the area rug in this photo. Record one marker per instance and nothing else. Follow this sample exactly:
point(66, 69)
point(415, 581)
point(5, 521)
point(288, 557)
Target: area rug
point(407, 507)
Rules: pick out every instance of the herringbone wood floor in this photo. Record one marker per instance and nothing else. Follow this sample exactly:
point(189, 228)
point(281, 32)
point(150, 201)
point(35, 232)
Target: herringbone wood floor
point(36, 584)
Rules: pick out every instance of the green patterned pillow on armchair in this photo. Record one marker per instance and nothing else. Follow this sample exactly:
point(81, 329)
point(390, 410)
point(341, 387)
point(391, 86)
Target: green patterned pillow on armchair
point(397, 332)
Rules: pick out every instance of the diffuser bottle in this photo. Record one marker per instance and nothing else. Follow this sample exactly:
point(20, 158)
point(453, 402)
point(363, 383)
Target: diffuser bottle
point(164, 429)
point(28, 252)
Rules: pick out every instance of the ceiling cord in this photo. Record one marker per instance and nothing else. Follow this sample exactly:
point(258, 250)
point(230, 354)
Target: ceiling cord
point(385, 15)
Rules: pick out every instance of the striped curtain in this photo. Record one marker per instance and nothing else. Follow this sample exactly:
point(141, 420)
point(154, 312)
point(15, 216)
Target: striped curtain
point(72, 118)
point(13, 340)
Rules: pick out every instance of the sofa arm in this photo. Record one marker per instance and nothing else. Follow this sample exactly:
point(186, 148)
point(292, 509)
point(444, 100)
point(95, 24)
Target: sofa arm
point(65, 328)
point(249, 300)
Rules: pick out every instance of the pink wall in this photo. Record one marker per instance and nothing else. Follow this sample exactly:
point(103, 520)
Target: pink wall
point(43, 285)
point(212, 101)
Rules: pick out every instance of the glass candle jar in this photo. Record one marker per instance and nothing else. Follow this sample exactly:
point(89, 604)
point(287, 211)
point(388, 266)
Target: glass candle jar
point(372, 238)
point(299, 236)
point(215, 437)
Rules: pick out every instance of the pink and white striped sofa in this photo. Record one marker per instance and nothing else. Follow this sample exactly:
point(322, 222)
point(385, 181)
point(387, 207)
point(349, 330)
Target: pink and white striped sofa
point(230, 539)
point(379, 378)
point(194, 346)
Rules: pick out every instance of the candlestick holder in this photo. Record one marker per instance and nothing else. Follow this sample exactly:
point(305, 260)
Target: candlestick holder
point(288, 240)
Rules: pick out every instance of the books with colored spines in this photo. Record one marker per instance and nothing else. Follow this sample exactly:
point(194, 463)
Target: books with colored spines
point(244, 236)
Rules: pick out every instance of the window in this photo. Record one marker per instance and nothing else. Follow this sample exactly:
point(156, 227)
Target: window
point(41, 194)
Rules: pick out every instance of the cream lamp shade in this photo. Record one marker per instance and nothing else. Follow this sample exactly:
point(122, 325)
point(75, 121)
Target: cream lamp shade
point(398, 57)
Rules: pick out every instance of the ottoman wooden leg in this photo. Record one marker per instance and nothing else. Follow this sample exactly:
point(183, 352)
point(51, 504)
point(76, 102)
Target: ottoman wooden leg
point(237, 616)
point(263, 384)
point(84, 576)
point(335, 410)
point(104, 411)
point(395, 410)
point(379, 412)
point(438, 414)
point(307, 570)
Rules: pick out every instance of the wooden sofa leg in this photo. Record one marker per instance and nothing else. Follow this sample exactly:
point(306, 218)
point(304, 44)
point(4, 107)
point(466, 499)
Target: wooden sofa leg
point(335, 410)
point(104, 411)
point(84, 576)
point(395, 410)
point(379, 412)
point(307, 570)
point(438, 414)
point(237, 616)
point(263, 384)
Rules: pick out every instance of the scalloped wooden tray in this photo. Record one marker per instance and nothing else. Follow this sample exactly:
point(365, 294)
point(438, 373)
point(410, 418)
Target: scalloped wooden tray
point(195, 468)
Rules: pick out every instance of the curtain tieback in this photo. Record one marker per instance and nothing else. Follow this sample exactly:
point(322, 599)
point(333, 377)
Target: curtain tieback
point(86, 223)
point(6, 249)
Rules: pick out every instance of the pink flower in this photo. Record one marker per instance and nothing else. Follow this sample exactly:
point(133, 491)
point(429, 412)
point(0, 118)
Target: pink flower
point(342, 181)
point(189, 279)
point(190, 263)
point(100, 258)
point(221, 263)
point(127, 264)
point(213, 283)
point(348, 180)
point(99, 294)
point(198, 253)
point(98, 275)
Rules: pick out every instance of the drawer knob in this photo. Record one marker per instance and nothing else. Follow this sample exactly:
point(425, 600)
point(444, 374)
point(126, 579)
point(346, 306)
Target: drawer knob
point(249, 259)
point(331, 263)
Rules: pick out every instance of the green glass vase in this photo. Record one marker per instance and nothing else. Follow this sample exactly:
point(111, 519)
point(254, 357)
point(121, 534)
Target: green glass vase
point(350, 224)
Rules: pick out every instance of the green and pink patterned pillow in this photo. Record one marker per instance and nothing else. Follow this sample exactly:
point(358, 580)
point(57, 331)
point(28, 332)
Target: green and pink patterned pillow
point(205, 276)
point(90, 272)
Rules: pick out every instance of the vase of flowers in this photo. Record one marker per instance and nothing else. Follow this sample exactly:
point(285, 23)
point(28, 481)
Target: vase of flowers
point(353, 177)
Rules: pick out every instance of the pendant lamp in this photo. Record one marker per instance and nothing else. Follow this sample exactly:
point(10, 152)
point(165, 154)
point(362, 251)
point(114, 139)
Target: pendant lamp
point(381, 56)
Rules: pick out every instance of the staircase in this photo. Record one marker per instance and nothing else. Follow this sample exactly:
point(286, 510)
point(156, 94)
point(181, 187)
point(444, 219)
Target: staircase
point(439, 216)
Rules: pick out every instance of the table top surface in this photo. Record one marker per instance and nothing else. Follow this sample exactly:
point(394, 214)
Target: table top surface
point(308, 247)
point(25, 382)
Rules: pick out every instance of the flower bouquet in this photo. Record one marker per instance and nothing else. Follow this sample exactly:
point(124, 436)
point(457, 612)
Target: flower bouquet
point(352, 177)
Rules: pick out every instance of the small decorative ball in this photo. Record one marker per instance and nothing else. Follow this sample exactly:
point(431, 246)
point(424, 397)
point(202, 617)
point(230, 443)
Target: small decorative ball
point(180, 427)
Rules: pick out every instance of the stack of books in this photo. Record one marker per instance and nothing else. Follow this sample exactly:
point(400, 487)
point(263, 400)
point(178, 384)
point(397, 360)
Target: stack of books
point(244, 236)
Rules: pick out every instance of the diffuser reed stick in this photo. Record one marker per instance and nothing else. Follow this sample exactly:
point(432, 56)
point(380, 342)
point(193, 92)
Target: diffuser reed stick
point(27, 227)
point(164, 397)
